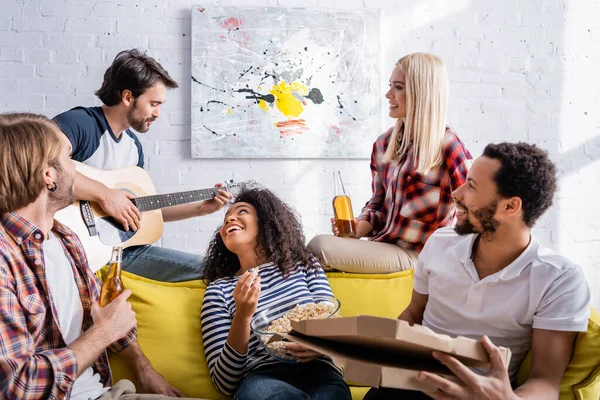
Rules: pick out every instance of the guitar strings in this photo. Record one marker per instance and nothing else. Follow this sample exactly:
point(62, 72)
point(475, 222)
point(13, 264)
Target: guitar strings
point(152, 202)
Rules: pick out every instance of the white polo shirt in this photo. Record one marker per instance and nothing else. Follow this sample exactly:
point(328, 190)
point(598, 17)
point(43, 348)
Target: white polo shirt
point(540, 290)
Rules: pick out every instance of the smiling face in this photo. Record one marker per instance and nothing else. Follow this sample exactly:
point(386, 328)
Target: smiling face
point(240, 228)
point(145, 109)
point(397, 94)
point(477, 200)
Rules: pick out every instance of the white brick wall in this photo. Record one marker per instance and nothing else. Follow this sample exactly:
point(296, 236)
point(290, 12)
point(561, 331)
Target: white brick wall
point(520, 70)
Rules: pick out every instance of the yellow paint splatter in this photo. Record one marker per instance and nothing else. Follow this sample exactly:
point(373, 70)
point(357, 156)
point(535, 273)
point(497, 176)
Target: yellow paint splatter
point(229, 111)
point(285, 100)
point(263, 105)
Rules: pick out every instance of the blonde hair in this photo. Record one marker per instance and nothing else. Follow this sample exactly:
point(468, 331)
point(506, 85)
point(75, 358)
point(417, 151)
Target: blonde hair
point(29, 143)
point(426, 108)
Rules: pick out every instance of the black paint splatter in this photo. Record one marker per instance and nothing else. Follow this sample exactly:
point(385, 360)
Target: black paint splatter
point(217, 102)
point(341, 107)
point(210, 130)
point(204, 84)
point(269, 98)
point(245, 72)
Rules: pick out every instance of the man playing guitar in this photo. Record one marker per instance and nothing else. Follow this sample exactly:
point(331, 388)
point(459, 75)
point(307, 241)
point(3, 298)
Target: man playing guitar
point(134, 88)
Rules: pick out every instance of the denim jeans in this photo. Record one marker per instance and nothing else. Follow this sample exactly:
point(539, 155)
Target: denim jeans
point(161, 264)
point(392, 394)
point(303, 381)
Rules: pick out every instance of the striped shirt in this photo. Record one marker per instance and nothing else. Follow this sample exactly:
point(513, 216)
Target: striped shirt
point(407, 207)
point(35, 362)
point(228, 367)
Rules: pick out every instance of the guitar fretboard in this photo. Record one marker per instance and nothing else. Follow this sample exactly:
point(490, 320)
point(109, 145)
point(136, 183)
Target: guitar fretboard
point(148, 203)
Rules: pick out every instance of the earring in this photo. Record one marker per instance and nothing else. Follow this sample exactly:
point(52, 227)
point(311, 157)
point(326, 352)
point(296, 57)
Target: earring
point(52, 189)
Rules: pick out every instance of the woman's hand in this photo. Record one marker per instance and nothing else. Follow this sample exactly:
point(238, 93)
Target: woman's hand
point(361, 228)
point(246, 295)
point(336, 231)
point(301, 353)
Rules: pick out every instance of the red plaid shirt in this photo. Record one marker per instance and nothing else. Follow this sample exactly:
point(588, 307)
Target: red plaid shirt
point(407, 207)
point(35, 362)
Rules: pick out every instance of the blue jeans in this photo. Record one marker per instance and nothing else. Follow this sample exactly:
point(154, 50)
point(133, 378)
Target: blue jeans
point(161, 264)
point(303, 381)
point(387, 393)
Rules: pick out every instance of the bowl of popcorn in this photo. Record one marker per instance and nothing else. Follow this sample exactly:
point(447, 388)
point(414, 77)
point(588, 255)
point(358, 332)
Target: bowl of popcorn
point(271, 320)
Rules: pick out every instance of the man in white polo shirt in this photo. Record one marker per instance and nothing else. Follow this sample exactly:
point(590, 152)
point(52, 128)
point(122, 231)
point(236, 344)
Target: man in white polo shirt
point(488, 276)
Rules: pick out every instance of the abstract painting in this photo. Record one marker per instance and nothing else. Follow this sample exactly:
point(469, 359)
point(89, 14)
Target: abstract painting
point(285, 82)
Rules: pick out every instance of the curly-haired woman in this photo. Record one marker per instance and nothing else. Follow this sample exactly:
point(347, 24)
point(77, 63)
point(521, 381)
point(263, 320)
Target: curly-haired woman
point(415, 166)
point(260, 232)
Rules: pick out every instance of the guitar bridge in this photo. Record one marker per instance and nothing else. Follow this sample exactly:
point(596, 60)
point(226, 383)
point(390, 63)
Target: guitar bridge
point(88, 217)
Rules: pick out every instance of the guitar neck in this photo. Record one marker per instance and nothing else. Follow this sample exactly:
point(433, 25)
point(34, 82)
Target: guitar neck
point(149, 203)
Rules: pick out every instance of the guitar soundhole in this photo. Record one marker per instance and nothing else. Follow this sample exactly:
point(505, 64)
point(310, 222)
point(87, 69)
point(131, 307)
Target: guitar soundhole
point(111, 232)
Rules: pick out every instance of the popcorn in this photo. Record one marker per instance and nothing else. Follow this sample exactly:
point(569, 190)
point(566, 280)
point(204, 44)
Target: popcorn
point(301, 312)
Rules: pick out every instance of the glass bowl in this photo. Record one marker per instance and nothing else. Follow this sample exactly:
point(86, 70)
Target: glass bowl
point(274, 320)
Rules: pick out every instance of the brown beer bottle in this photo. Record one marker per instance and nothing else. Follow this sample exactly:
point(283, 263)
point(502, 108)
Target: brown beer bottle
point(342, 208)
point(113, 286)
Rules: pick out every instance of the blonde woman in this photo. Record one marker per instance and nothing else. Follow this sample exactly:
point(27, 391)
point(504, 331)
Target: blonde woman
point(415, 166)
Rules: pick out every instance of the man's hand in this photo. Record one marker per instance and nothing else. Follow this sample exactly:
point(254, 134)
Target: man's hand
point(494, 385)
point(150, 381)
point(118, 205)
point(301, 353)
point(216, 203)
point(116, 319)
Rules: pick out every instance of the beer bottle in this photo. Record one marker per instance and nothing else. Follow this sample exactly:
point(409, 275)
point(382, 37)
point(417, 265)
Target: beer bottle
point(112, 286)
point(342, 208)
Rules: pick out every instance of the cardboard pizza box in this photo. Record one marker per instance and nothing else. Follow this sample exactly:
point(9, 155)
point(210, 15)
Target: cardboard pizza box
point(384, 352)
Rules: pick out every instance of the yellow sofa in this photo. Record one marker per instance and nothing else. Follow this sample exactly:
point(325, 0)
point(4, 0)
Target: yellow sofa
point(168, 317)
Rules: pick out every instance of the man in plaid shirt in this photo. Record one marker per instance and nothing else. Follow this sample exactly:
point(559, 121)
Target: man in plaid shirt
point(53, 334)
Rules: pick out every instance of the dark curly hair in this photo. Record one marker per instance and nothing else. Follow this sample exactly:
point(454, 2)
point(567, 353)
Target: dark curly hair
point(279, 236)
point(527, 172)
point(135, 71)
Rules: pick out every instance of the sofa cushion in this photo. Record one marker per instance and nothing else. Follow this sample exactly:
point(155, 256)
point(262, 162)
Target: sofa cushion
point(168, 316)
point(579, 375)
point(363, 294)
point(590, 388)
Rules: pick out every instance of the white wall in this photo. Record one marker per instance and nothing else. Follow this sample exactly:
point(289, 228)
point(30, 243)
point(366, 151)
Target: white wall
point(520, 70)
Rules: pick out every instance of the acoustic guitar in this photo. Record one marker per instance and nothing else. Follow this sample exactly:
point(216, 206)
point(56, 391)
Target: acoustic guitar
point(98, 231)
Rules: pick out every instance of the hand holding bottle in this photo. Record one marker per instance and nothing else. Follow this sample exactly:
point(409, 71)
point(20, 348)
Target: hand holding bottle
point(113, 285)
point(335, 224)
point(116, 319)
point(360, 228)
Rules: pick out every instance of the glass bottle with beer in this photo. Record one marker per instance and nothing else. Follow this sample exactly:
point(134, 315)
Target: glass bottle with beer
point(342, 208)
point(113, 285)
